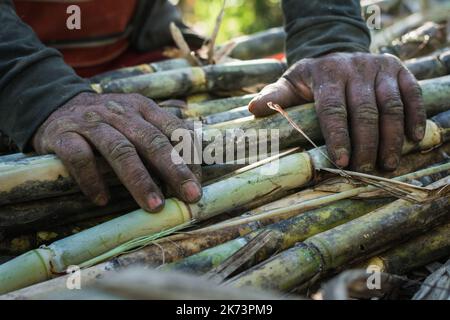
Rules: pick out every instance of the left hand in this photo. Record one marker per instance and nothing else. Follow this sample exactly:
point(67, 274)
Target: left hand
point(365, 103)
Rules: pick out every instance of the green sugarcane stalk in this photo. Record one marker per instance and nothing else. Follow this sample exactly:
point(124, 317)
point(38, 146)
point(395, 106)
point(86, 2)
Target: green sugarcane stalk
point(426, 248)
point(287, 233)
point(294, 171)
point(418, 42)
point(182, 82)
point(196, 110)
point(165, 65)
point(259, 45)
point(346, 243)
point(430, 67)
point(11, 157)
point(233, 114)
point(56, 211)
point(45, 176)
point(18, 244)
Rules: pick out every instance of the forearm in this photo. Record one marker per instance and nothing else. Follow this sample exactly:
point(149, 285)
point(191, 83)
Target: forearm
point(34, 80)
point(315, 28)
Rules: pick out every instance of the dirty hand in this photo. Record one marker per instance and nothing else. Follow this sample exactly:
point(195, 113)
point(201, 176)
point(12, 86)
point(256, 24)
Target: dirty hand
point(365, 104)
point(128, 130)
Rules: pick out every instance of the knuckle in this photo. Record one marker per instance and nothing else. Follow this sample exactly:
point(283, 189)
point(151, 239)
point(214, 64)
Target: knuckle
point(136, 177)
point(79, 159)
point(366, 113)
point(158, 144)
point(121, 150)
point(172, 125)
point(91, 116)
point(392, 105)
point(415, 91)
point(332, 108)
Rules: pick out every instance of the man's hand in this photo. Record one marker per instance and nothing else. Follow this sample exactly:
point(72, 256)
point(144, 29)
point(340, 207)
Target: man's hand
point(365, 104)
point(128, 130)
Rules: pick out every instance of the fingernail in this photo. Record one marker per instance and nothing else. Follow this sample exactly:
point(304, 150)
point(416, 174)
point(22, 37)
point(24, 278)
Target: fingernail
point(101, 200)
point(391, 162)
point(155, 202)
point(419, 133)
point(191, 191)
point(342, 157)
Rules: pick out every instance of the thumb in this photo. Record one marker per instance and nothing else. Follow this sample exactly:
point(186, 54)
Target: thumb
point(281, 92)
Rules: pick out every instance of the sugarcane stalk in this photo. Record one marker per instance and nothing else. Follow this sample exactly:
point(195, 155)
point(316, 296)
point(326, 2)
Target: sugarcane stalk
point(165, 65)
point(286, 233)
point(56, 211)
point(196, 110)
point(436, 286)
point(259, 45)
point(348, 242)
point(421, 41)
point(422, 250)
point(181, 82)
point(15, 245)
point(430, 66)
point(233, 114)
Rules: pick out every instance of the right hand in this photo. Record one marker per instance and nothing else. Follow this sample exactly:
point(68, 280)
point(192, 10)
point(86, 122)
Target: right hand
point(128, 130)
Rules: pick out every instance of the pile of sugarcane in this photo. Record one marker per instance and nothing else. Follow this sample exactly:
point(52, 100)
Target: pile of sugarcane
point(306, 228)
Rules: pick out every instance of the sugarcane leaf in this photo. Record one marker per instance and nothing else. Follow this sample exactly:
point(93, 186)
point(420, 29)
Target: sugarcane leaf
point(181, 43)
point(215, 33)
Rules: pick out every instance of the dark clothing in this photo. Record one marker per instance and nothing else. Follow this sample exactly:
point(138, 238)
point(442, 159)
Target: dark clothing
point(318, 27)
point(35, 81)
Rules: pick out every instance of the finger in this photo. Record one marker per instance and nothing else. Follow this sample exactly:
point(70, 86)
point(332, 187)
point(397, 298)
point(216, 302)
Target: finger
point(391, 114)
point(123, 158)
point(415, 115)
point(282, 92)
point(77, 156)
point(168, 124)
point(164, 161)
point(332, 113)
point(363, 114)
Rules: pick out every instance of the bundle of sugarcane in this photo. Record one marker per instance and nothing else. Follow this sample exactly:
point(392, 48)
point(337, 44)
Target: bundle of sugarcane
point(287, 233)
point(176, 247)
point(344, 244)
point(293, 171)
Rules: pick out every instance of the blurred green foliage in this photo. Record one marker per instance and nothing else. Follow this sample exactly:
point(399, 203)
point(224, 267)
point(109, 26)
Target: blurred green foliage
point(241, 16)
